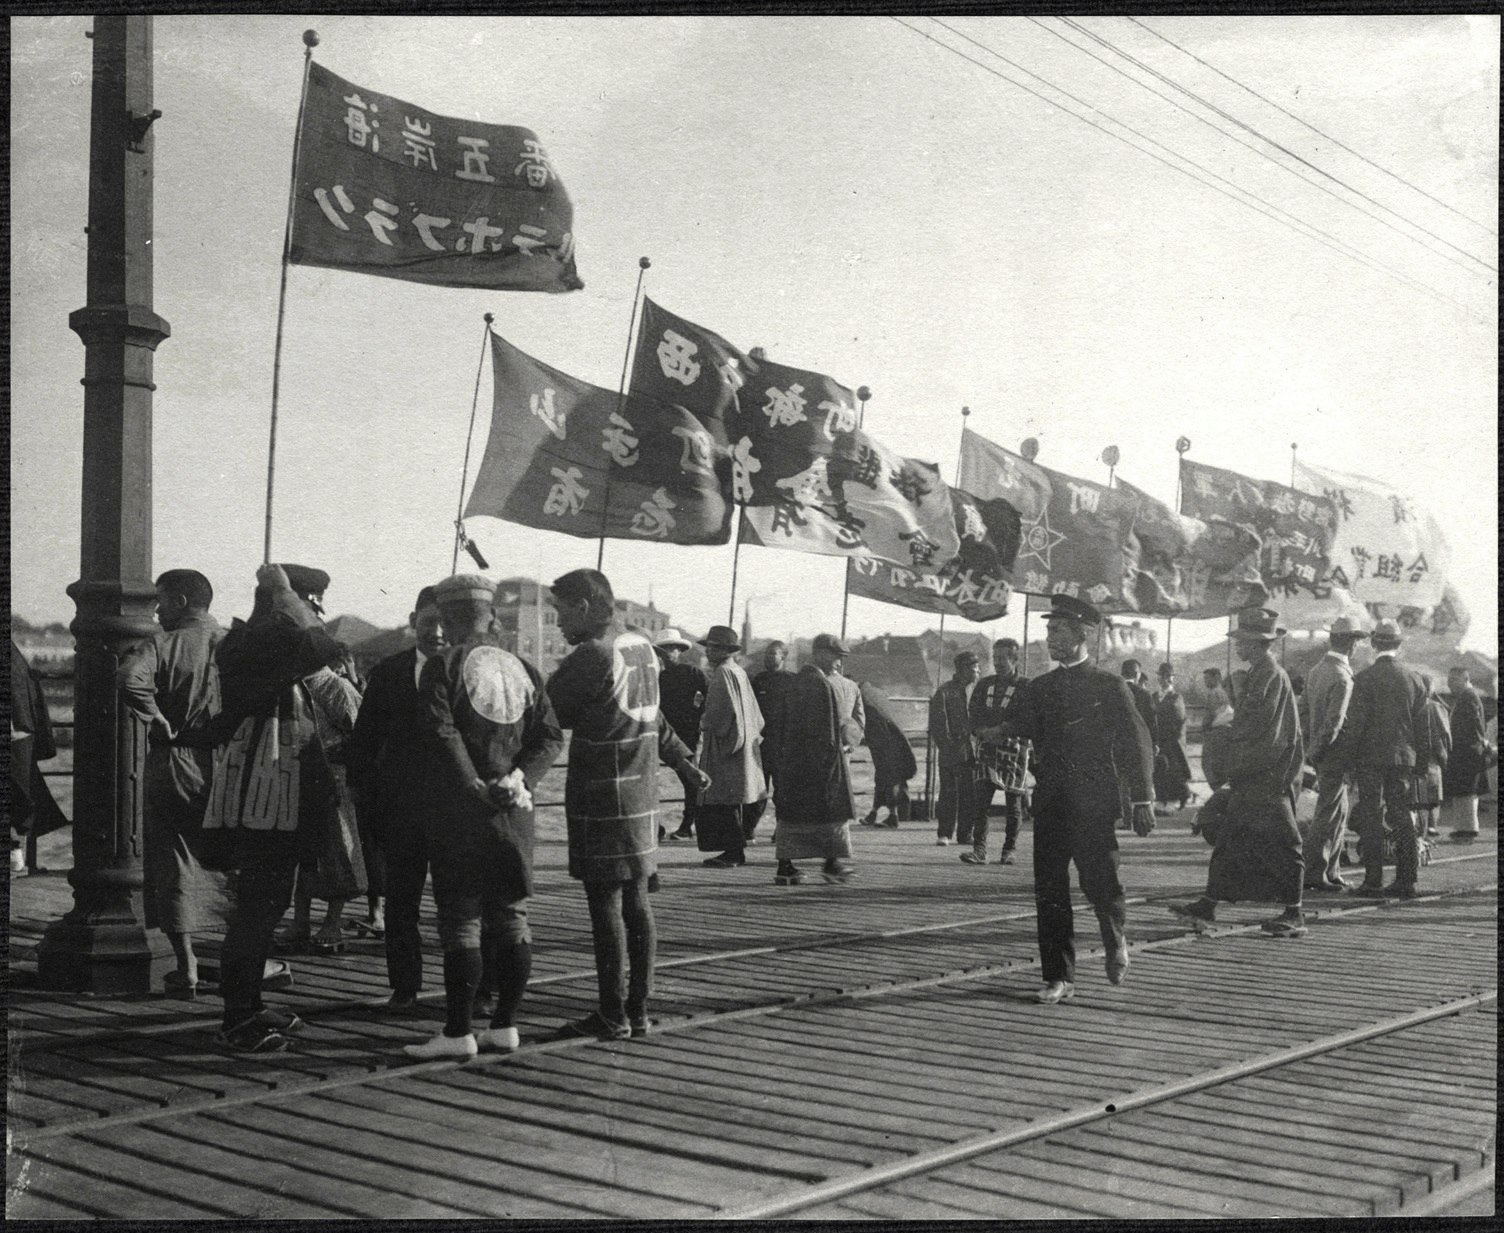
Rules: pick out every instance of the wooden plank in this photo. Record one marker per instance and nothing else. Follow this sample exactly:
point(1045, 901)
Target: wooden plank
point(106, 1186)
point(1107, 1196)
point(34, 1203)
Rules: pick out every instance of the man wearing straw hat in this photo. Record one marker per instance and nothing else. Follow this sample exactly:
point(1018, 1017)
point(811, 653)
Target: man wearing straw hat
point(1259, 855)
point(1329, 690)
point(681, 694)
point(730, 753)
point(1086, 733)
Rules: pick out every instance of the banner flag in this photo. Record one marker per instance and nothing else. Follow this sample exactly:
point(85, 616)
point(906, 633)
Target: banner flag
point(1181, 566)
point(807, 478)
point(1075, 534)
point(973, 584)
point(1386, 550)
point(564, 455)
point(386, 187)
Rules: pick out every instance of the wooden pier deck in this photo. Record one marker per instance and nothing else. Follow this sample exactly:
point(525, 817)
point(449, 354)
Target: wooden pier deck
point(833, 1052)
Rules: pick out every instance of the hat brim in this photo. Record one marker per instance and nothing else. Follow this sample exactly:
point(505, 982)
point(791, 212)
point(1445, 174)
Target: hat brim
point(1248, 635)
point(673, 646)
point(721, 646)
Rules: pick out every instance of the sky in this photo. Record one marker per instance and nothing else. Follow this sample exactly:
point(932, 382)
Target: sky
point(851, 194)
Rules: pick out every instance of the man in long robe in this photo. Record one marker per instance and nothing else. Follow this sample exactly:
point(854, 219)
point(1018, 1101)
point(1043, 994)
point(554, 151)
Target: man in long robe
point(730, 753)
point(893, 763)
point(1259, 853)
point(1172, 765)
point(170, 684)
point(814, 804)
point(1466, 776)
point(956, 754)
point(681, 700)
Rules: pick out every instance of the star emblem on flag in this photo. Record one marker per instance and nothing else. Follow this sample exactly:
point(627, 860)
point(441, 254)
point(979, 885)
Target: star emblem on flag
point(1038, 538)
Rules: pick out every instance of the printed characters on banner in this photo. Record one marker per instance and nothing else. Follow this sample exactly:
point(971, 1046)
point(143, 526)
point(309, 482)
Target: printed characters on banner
point(386, 187)
point(568, 456)
point(973, 584)
point(807, 478)
point(1074, 534)
point(1181, 566)
point(1388, 551)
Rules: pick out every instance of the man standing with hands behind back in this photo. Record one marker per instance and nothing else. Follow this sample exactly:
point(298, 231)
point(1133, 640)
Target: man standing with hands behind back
point(1086, 731)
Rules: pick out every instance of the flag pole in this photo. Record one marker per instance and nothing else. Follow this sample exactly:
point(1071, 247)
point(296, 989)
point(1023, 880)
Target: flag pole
point(862, 395)
point(643, 266)
point(310, 41)
point(1293, 448)
point(965, 412)
point(459, 513)
point(1026, 634)
point(736, 553)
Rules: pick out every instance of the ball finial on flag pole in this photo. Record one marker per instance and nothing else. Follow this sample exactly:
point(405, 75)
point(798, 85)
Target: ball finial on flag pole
point(1293, 448)
point(862, 395)
point(1029, 449)
point(1110, 456)
point(1182, 447)
point(310, 38)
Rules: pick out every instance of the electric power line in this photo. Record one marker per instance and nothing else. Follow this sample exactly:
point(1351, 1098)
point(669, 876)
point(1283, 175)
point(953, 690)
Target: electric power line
point(1231, 119)
point(1326, 136)
point(1251, 200)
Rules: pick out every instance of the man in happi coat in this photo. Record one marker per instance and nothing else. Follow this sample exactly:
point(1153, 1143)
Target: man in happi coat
point(170, 683)
point(893, 762)
point(606, 690)
point(1381, 744)
point(390, 761)
point(1258, 855)
point(1328, 693)
point(1086, 734)
point(730, 753)
point(1172, 765)
point(274, 798)
point(681, 697)
point(1466, 776)
point(814, 803)
point(1001, 764)
point(488, 715)
point(956, 753)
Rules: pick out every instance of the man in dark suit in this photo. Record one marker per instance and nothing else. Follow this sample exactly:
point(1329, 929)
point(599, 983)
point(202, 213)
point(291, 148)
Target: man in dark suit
point(1379, 745)
point(389, 763)
point(1086, 733)
point(1143, 702)
point(950, 729)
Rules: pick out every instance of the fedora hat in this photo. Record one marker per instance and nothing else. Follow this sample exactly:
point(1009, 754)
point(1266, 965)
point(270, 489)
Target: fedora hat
point(1258, 624)
point(723, 637)
point(1346, 625)
point(670, 639)
point(1388, 633)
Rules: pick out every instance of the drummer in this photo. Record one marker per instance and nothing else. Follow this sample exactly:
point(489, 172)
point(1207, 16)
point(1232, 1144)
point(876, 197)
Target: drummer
point(1002, 764)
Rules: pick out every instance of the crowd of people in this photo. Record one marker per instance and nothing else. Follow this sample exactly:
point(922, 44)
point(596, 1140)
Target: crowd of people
point(276, 776)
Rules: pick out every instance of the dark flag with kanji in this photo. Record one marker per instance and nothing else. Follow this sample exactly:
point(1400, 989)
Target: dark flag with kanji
point(1074, 534)
point(973, 584)
point(386, 187)
point(1181, 566)
point(568, 456)
point(806, 477)
point(1294, 528)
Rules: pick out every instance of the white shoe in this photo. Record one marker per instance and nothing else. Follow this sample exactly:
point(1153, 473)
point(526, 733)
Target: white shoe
point(943, 842)
point(18, 863)
point(443, 1046)
point(498, 1040)
point(1056, 991)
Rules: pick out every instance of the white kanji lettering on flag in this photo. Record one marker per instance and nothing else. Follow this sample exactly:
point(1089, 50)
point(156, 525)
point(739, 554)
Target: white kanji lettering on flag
point(543, 407)
point(322, 197)
point(785, 407)
point(417, 143)
point(534, 165)
point(744, 465)
point(619, 440)
point(360, 128)
point(476, 160)
point(676, 358)
point(838, 418)
point(653, 517)
point(696, 457)
point(567, 496)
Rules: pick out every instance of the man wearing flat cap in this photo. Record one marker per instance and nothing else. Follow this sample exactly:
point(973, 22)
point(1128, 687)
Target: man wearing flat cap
point(956, 752)
point(495, 736)
point(1086, 733)
point(730, 753)
point(850, 709)
point(1329, 691)
point(814, 802)
point(681, 695)
point(1380, 744)
point(1258, 856)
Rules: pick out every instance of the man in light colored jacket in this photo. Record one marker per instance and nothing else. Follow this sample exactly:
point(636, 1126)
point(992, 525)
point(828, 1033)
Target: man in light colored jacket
point(730, 753)
point(1329, 689)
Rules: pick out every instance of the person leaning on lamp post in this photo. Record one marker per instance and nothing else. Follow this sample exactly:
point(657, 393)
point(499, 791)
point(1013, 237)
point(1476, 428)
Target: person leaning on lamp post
point(730, 753)
point(1086, 733)
point(495, 736)
point(1258, 854)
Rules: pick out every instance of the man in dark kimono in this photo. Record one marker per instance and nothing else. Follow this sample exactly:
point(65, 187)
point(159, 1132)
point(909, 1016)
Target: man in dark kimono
point(390, 758)
point(495, 736)
point(606, 690)
point(814, 803)
point(1466, 776)
point(1172, 765)
point(1002, 764)
point(956, 754)
point(681, 692)
point(893, 762)
point(274, 794)
point(1258, 855)
point(33, 812)
point(768, 687)
point(1086, 733)
point(170, 684)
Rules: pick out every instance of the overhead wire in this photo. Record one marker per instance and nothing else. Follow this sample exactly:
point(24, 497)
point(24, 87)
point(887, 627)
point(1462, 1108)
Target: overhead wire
point(1231, 119)
point(1323, 135)
point(1206, 178)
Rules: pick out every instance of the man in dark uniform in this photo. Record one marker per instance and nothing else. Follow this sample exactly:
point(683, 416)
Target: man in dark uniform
point(956, 752)
point(681, 691)
point(1143, 702)
point(1086, 732)
point(495, 733)
point(388, 757)
point(1004, 763)
point(1466, 776)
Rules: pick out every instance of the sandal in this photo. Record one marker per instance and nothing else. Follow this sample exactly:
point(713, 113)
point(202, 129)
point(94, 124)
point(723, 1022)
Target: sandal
point(327, 944)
